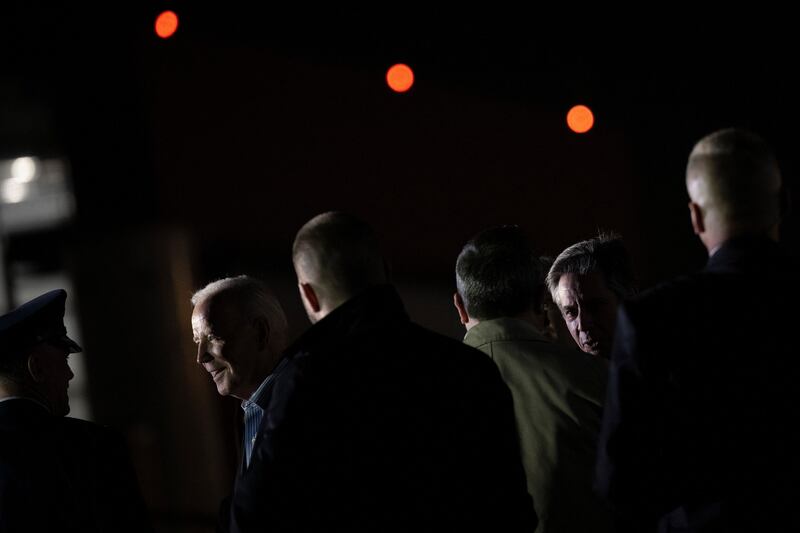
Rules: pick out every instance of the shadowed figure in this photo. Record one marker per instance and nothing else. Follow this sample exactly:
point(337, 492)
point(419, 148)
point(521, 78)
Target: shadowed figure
point(700, 428)
point(56, 473)
point(377, 424)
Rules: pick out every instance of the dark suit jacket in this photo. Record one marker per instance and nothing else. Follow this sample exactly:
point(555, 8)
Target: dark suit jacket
point(376, 424)
point(700, 427)
point(64, 474)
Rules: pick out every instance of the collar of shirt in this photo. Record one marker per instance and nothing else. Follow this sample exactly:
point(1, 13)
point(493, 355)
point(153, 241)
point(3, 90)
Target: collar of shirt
point(253, 413)
point(252, 402)
point(256, 396)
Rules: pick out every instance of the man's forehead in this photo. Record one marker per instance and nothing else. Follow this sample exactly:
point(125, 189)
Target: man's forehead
point(198, 319)
point(573, 284)
point(215, 311)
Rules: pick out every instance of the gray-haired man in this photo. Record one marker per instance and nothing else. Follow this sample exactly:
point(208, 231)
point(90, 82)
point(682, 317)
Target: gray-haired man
point(587, 281)
point(558, 393)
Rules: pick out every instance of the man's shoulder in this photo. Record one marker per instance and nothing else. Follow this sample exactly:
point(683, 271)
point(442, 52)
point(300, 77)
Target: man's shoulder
point(532, 361)
point(79, 426)
point(681, 299)
point(505, 330)
point(557, 359)
point(445, 347)
point(14, 411)
point(395, 352)
point(506, 340)
point(673, 289)
point(709, 317)
point(398, 337)
point(34, 421)
point(89, 437)
point(715, 285)
point(428, 352)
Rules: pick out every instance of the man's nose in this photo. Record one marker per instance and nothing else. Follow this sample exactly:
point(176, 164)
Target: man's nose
point(202, 353)
point(585, 321)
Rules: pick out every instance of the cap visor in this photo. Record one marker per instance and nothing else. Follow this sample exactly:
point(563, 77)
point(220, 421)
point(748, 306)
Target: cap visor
point(70, 344)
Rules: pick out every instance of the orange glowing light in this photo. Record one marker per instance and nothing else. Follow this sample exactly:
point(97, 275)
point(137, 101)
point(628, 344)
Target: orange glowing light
point(580, 119)
point(400, 78)
point(166, 24)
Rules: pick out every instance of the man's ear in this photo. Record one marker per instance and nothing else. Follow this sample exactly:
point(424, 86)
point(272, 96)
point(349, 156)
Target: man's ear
point(461, 308)
point(310, 296)
point(37, 367)
point(262, 332)
point(697, 218)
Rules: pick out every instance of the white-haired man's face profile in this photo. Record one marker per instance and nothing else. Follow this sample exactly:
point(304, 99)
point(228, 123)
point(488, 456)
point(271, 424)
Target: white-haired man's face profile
point(230, 348)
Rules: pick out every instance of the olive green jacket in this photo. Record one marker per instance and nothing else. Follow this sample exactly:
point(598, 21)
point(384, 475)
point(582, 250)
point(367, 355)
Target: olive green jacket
point(558, 396)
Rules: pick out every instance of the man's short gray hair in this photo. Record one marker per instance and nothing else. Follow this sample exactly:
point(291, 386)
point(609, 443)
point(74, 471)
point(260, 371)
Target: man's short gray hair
point(733, 175)
point(498, 274)
point(341, 253)
point(256, 301)
point(605, 254)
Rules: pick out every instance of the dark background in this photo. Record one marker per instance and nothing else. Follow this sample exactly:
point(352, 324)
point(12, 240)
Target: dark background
point(200, 156)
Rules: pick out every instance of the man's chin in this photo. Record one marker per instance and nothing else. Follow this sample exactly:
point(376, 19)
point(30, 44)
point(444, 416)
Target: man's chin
point(226, 389)
point(599, 352)
point(595, 349)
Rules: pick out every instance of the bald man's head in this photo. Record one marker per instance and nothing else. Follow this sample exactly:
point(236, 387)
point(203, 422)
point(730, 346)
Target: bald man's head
point(733, 177)
point(339, 256)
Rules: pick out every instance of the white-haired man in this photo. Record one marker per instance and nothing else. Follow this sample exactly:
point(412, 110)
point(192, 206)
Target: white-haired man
point(240, 330)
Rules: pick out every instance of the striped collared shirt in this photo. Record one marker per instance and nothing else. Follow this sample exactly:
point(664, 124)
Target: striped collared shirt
point(253, 413)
